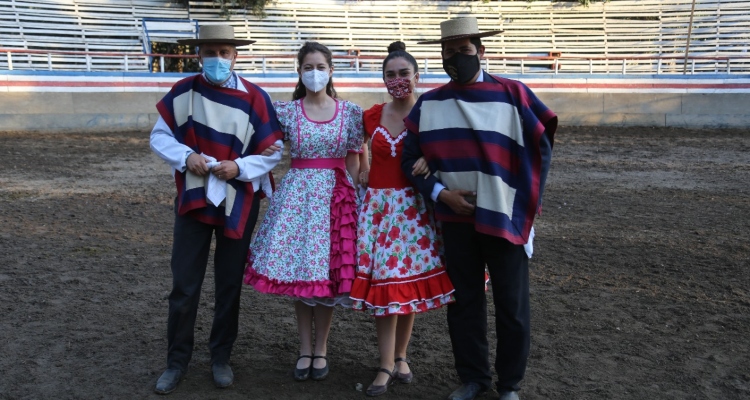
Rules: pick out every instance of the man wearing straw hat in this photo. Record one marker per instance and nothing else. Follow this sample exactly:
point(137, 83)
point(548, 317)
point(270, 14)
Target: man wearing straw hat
point(212, 130)
point(488, 141)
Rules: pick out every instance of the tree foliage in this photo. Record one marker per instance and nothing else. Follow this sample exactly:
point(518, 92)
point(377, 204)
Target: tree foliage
point(582, 2)
point(229, 7)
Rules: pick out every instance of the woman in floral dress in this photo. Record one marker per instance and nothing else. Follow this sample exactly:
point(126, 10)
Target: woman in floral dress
point(306, 245)
point(400, 268)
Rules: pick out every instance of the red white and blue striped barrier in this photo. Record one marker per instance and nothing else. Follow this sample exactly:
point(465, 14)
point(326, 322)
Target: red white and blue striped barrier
point(46, 81)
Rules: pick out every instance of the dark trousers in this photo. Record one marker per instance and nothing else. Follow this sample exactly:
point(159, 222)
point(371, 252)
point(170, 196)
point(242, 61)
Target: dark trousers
point(467, 252)
point(190, 248)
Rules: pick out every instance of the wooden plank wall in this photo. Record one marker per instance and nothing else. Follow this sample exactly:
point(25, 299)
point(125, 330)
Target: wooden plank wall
point(611, 29)
point(614, 29)
point(79, 25)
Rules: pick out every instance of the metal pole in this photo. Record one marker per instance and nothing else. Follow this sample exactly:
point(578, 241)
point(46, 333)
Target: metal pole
point(49, 61)
point(687, 45)
point(126, 63)
point(425, 66)
point(161, 63)
point(10, 62)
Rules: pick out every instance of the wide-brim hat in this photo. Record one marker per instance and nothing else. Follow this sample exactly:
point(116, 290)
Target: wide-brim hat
point(459, 28)
point(216, 34)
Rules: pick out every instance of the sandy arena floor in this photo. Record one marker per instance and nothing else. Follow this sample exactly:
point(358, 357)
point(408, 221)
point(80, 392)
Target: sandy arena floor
point(640, 281)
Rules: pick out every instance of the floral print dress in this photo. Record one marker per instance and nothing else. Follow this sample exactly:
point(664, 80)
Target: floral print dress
point(305, 246)
point(400, 262)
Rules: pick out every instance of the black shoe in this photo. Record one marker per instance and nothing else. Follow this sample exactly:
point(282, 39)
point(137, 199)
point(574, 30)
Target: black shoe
point(403, 378)
point(304, 373)
point(467, 391)
point(377, 390)
point(318, 374)
point(223, 375)
point(168, 381)
point(512, 395)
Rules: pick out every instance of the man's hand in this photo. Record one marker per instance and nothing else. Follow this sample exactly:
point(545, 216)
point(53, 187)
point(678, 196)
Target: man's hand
point(226, 170)
point(420, 168)
point(456, 201)
point(364, 178)
point(270, 150)
point(196, 164)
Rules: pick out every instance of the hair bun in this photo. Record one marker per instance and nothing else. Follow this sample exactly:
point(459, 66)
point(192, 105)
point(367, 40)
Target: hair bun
point(396, 46)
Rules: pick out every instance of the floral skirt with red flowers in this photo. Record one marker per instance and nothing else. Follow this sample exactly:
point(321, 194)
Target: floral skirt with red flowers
point(400, 263)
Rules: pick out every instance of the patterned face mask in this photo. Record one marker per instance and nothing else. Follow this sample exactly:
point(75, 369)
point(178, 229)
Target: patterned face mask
point(399, 88)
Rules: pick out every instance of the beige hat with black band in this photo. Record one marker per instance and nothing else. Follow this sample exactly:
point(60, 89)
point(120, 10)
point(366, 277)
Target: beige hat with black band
point(216, 34)
point(459, 28)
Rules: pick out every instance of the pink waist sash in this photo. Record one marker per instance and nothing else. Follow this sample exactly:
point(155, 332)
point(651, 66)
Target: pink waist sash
point(318, 163)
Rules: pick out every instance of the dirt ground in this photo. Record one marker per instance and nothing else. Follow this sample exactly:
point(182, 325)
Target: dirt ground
point(640, 280)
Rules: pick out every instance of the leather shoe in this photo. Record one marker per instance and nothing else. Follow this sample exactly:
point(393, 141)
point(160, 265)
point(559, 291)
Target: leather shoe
point(377, 390)
point(168, 381)
point(223, 376)
point(318, 374)
point(509, 395)
point(467, 391)
point(404, 378)
point(304, 373)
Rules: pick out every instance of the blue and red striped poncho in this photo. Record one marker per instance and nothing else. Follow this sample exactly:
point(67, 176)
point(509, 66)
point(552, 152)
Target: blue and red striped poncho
point(226, 124)
point(493, 137)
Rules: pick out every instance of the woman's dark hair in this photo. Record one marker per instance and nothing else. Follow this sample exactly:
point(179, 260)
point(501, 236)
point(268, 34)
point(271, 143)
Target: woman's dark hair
point(307, 48)
point(398, 50)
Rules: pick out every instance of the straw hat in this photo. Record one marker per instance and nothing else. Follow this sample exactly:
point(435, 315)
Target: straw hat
point(459, 28)
point(216, 34)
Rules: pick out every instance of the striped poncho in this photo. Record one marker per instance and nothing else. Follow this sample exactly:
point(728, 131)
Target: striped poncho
point(226, 124)
point(493, 137)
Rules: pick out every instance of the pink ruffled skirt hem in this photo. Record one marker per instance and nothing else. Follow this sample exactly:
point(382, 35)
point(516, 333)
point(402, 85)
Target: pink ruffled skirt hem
point(343, 238)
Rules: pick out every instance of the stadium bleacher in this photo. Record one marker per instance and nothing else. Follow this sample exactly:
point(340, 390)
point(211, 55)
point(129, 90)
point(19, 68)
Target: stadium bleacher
point(607, 37)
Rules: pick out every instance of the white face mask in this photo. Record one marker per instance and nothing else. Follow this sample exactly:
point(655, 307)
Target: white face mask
point(315, 80)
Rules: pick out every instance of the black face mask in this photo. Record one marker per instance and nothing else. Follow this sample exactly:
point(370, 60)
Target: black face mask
point(461, 67)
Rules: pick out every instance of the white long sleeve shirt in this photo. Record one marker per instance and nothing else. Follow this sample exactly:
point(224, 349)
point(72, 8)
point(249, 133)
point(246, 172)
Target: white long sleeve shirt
point(253, 169)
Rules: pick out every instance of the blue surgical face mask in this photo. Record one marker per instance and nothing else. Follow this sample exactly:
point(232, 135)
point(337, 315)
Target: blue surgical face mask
point(217, 69)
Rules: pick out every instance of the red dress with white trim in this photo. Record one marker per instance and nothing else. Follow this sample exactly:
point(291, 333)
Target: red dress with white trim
point(401, 267)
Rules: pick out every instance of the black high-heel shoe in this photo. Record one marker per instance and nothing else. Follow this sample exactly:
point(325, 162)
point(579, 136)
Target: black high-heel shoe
point(318, 374)
point(304, 373)
point(377, 390)
point(403, 378)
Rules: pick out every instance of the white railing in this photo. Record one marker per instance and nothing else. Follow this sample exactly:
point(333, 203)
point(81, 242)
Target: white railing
point(40, 60)
point(606, 37)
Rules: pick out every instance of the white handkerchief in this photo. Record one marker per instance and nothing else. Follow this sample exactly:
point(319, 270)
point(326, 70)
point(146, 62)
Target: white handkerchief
point(529, 246)
point(265, 185)
point(217, 189)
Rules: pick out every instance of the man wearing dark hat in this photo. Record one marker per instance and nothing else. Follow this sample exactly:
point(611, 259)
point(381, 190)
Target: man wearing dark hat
point(213, 130)
point(488, 141)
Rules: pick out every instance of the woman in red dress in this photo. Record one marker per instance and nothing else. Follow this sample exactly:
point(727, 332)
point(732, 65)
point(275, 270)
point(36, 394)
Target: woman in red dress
point(400, 262)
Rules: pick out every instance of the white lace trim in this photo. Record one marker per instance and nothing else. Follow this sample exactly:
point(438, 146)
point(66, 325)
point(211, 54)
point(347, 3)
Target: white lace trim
point(388, 138)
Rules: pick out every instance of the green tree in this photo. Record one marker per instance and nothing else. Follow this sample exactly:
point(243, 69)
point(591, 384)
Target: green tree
point(228, 7)
point(583, 2)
